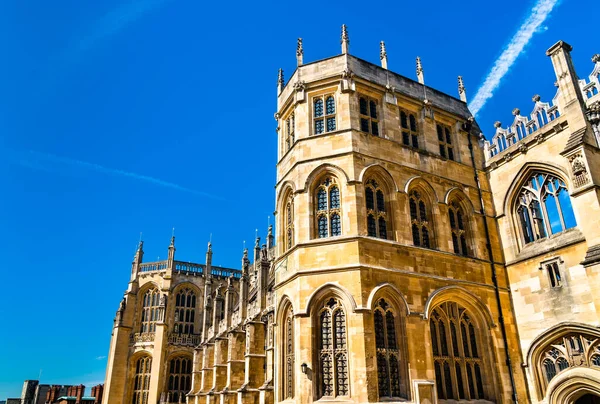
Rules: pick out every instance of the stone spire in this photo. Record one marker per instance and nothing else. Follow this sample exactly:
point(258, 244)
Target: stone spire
point(596, 58)
point(299, 52)
point(137, 260)
point(420, 75)
point(172, 249)
point(383, 54)
point(461, 89)
point(208, 266)
point(270, 237)
point(280, 82)
point(345, 39)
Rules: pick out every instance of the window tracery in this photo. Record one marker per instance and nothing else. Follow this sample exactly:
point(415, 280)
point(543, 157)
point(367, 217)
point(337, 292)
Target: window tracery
point(328, 214)
point(458, 228)
point(289, 360)
point(410, 132)
point(419, 217)
point(388, 352)
point(185, 311)
point(445, 141)
point(141, 380)
point(457, 358)
point(324, 114)
point(180, 379)
point(369, 120)
point(544, 207)
point(333, 350)
point(150, 310)
point(377, 217)
point(289, 223)
point(290, 130)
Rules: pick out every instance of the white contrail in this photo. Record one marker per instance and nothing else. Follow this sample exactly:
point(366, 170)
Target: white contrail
point(540, 11)
point(40, 161)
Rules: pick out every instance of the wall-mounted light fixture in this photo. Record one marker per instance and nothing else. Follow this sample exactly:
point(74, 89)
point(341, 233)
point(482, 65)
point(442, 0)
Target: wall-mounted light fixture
point(304, 367)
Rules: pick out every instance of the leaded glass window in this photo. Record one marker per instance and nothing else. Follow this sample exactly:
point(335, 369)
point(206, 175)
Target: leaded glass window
point(369, 119)
point(419, 218)
point(288, 383)
point(458, 227)
point(544, 207)
point(445, 141)
point(328, 205)
point(408, 126)
point(377, 216)
point(457, 361)
point(569, 351)
point(141, 380)
point(389, 377)
point(150, 310)
point(289, 223)
point(333, 350)
point(180, 379)
point(324, 118)
point(290, 129)
point(185, 311)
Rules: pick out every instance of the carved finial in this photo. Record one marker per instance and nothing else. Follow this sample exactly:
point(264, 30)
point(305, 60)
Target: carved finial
point(516, 111)
point(172, 241)
point(345, 39)
point(140, 245)
point(299, 52)
point(280, 81)
point(209, 246)
point(461, 89)
point(536, 98)
point(420, 75)
point(383, 54)
point(497, 124)
point(596, 58)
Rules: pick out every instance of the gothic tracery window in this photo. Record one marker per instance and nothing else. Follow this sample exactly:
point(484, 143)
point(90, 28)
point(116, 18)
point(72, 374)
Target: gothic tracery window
point(408, 126)
point(150, 310)
point(457, 357)
point(369, 120)
point(185, 311)
point(445, 141)
point(458, 228)
point(377, 217)
point(289, 224)
point(328, 212)
point(141, 380)
point(419, 218)
point(333, 350)
point(180, 379)
point(324, 114)
point(389, 365)
point(290, 129)
point(289, 362)
point(544, 207)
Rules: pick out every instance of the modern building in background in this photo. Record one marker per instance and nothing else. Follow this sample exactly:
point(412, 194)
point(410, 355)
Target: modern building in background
point(412, 260)
point(35, 393)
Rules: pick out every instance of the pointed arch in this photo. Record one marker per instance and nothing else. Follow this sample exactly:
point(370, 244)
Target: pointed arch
point(462, 222)
point(287, 336)
point(391, 291)
point(328, 289)
point(573, 384)
point(426, 186)
point(322, 170)
point(462, 296)
point(422, 201)
point(377, 170)
point(379, 194)
point(285, 189)
point(459, 195)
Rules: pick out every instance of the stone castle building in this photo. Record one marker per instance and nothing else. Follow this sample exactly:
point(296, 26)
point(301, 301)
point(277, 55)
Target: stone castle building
point(412, 261)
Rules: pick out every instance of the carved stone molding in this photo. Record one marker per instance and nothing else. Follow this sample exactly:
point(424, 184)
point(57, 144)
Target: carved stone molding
point(579, 169)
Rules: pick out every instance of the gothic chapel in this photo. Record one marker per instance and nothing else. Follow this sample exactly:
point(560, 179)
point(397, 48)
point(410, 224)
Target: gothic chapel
point(412, 261)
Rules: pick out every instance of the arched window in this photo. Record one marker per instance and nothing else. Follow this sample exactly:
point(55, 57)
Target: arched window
point(410, 133)
point(328, 212)
point(141, 380)
point(185, 311)
point(569, 351)
point(324, 118)
point(458, 228)
point(457, 356)
point(150, 310)
point(290, 129)
point(377, 217)
point(369, 120)
point(445, 142)
point(419, 218)
point(389, 357)
point(333, 350)
point(544, 207)
point(289, 224)
point(289, 362)
point(180, 379)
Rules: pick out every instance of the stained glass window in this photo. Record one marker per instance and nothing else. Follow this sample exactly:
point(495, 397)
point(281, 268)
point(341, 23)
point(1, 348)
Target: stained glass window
point(328, 208)
point(456, 353)
point(141, 380)
point(420, 220)
point(150, 309)
point(457, 226)
point(408, 126)
point(180, 379)
point(324, 120)
point(377, 217)
point(369, 122)
point(185, 311)
point(388, 354)
point(544, 207)
point(333, 350)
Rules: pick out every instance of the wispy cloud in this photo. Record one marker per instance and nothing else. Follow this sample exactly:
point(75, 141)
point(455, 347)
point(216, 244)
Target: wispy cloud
point(47, 162)
point(532, 24)
point(99, 358)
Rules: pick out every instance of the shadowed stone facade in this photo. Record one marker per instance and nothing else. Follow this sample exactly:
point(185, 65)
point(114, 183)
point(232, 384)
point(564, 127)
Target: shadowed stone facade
point(402, 267)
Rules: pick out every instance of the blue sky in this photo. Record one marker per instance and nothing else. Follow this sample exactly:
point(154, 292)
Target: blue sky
point(121, 117)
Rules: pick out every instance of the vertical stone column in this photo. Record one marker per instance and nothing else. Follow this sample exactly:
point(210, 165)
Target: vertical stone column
point(219, 370)
point(267, 389)
point(158, 353)
point(235, 366)
point(255, 363)
point(196, 376)
point(206, 379)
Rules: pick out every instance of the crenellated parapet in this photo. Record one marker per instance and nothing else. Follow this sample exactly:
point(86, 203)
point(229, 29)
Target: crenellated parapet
point(590, 87)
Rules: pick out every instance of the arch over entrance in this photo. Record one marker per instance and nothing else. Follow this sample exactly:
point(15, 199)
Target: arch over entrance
point(588, 399)
point(575, 386)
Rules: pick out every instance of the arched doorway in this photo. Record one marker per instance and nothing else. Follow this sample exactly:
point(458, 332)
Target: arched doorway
point(588, 399)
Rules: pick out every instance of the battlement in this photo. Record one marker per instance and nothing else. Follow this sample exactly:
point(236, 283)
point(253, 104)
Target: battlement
point(190, 268)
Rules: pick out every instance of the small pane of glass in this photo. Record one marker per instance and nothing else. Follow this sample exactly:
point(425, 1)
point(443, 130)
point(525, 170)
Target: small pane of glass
point(330, 105)
point(318, 107)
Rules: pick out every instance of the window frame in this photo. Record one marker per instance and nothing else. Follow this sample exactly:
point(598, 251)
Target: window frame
point(149, 315)
point(288, 218)
point(462, 244)
point(372, 121)
point(325, 116)
point(289, 131)
point(419, 197)
point(188, 326)
point(375, 212)
point(140, 395)
point(446, 145)
point(327, 183)
point(173, 394)
point(412, 139)
point(553, 269)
